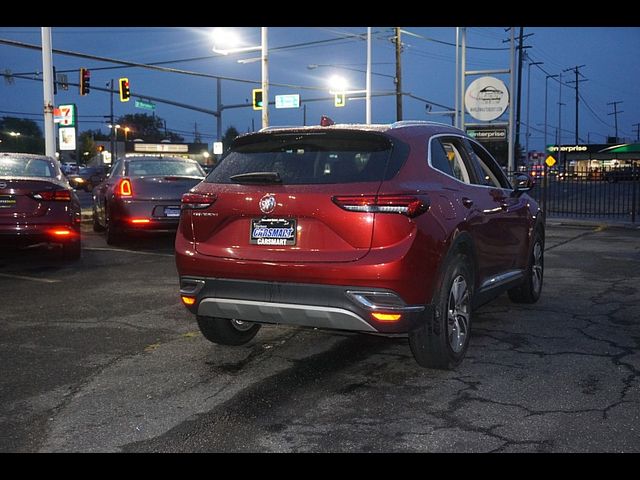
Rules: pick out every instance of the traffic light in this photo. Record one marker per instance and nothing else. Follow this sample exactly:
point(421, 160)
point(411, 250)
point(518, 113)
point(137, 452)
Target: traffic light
point(125, 94)
point(85, 81)
point(257, 99)
point(340, 100)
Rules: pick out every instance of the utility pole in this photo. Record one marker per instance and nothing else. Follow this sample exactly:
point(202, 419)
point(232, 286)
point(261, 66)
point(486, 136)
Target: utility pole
point(615, 114)
point(577, 81)
point(49, 100)
point(112, 123)
point(219, 109)
point(637, 125)
point(398, 78)
point(521, 47)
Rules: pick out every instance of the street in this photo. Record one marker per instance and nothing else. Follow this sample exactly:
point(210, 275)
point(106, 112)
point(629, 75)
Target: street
point(99, 355)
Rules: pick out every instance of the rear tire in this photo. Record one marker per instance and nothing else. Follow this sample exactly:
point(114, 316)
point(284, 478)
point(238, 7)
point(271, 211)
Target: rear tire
point(96, 224)
point(114, 234)
point(224, 331)
point(531, 288)
point(442, 342)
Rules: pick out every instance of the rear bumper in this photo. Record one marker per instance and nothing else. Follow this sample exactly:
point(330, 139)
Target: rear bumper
point(25, 235)
point(145, 215)
point(306, 305)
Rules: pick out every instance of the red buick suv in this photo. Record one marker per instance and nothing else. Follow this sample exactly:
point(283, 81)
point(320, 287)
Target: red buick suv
point(384, 229)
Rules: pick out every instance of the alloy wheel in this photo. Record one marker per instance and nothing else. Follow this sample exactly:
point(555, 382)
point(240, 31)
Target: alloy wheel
point(458, 314)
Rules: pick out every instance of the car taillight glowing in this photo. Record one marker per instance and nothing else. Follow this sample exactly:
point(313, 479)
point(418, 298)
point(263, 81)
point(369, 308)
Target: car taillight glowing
point(409, 205)
point(139, 221)
point(193, 200)
point(52, 195)
point(187, 300)
point(124, 188)
point(61, 232)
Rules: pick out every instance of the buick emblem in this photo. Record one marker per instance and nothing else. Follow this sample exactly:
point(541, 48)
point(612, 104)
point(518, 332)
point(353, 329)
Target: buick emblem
point(267, 203)
point(3, 185)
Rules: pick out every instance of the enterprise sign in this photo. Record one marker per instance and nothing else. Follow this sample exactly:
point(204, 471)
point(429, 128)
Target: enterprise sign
point(488, 134)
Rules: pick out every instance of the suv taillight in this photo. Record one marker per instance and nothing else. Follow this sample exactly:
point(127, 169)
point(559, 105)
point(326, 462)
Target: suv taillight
point(124, 189)
point(197, 200)
point(52, 195)
point(409, 205)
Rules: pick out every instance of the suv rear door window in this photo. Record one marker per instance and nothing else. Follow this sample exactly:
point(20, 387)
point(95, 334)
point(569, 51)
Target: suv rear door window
point(309, 158)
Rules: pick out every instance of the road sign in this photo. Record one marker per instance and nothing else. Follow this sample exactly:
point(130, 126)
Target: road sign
point(550, 161)
point(483, 134)
point(145, 105)
point(288, 101)
point(65, 115)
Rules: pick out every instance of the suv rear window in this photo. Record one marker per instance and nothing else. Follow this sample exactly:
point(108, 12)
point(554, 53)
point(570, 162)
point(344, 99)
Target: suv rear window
point(312, 157)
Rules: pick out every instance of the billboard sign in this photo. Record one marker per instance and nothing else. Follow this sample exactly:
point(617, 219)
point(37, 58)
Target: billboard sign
point(486, 98)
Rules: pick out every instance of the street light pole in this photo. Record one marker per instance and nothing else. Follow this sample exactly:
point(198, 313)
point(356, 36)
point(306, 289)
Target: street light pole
point(546, 86)
point(368, 81)
point(265, 78)
point(528, 101)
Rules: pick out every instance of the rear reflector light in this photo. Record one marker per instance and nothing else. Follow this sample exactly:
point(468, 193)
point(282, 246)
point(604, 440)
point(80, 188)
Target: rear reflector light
point(188, 300)
point(198, 200)
point(53, 195)
point(61, 232)
point(409, 205)
point(124, 188)
point(138, 221)
point(386, 317)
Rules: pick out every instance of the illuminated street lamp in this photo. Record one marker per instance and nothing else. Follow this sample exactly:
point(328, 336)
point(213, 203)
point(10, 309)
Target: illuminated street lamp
point(226, 41)
point(15, 134)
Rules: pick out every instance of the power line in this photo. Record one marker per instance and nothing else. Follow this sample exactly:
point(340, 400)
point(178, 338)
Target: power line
point(615, 114)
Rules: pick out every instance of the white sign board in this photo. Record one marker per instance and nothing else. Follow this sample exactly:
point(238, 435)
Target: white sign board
point(486, 98)
point(67, 138)
point(217, 148)
point(288, 101)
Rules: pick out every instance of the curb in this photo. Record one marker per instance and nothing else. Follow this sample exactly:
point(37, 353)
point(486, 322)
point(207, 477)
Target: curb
point(576, 222)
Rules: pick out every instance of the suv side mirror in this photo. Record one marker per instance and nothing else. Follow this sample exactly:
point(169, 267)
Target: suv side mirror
point(522, 183)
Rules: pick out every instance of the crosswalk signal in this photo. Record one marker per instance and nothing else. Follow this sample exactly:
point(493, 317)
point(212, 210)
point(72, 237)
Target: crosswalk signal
point(85, 81)
point(257, 99)
point(125, 94)
point(340, 100)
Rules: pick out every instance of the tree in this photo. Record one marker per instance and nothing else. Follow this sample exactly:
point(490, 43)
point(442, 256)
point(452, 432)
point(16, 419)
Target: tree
point(228, 137)
point(147, 127)
point(30, 139)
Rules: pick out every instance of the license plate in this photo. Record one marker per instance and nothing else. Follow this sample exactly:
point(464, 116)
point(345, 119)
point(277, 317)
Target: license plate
point(273, 231)
point(7, 201)
point(171, 211)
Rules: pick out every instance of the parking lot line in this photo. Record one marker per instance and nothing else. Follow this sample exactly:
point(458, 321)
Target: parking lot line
point(34, 279)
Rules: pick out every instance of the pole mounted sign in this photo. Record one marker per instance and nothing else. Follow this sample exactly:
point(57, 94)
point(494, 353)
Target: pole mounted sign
point(486, 98)
point(65, 115)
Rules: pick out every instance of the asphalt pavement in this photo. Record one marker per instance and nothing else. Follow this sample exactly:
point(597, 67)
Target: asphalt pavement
point(100, 356)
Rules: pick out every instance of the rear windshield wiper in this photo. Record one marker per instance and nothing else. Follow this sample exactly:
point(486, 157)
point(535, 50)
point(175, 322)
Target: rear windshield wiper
point(257, 177)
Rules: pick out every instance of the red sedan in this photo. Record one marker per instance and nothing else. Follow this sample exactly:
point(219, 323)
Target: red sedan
point(142, 194)
point(37, 205)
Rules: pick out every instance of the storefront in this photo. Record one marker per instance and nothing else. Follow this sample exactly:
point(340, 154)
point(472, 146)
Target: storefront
point(588, 157)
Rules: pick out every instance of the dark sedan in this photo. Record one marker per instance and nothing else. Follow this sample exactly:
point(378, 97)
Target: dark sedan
point(142, 194)
point(37, 205)
point(88, 177)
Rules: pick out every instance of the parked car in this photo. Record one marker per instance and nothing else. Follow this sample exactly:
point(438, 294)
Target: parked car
point(37, 204)
point(142, 194)
point(621, 174)
point(88, 177)
point(399, 229)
